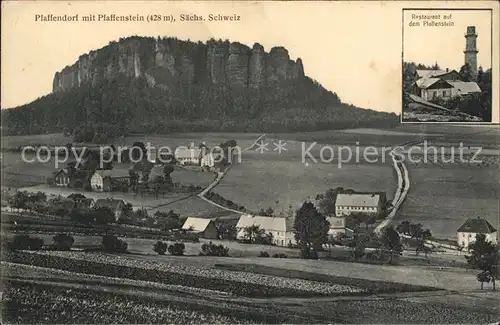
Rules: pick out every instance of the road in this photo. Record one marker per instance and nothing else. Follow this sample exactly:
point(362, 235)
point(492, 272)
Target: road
point(220, 176)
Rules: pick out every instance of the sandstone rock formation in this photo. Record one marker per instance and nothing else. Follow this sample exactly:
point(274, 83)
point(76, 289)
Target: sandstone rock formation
point(169, 60)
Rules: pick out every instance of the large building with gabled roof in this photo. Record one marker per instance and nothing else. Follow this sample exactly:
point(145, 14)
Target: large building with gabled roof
point(467, 232)
point(367, 203)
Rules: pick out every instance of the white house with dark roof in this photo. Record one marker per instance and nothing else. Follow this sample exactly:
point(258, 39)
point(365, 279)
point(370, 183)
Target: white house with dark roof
point(280, 227)
point(102, 179)
point(61, 178)
point(188, 156)
point(205, 228)
point(347, 204)
point(338, 227)
point(467, 232)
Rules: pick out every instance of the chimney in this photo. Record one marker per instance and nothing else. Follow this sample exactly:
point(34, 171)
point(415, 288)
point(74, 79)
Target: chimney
point(447, 69)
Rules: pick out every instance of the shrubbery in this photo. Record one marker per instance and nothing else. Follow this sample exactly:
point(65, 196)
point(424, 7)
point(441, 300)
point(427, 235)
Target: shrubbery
point(160, 247)
point(174, 249)
point(280, 255)
point(211, 249)
point(308, 253)
point(177, 249)
point(63, 242)
point(112, 244)
point(25, 242)
point(263, 254)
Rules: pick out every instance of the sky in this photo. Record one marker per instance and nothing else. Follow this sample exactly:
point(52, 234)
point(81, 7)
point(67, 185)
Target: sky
point(351, 48)
point(445, 45)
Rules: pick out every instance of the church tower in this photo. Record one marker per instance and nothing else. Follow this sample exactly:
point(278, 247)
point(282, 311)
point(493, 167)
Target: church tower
point(471, 50)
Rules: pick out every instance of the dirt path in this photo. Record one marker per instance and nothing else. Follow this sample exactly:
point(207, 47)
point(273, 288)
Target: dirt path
point(220, 176)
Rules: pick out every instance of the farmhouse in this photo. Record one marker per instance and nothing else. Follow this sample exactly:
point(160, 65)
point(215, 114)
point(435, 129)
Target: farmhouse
point(280, 227)
point(103, 180)
point(369, 203)
point(338, 227)
point(205, 228)
point(208, 160)
point(61, 178)
point(189, 156)
point(466, 234)
point(115, 205)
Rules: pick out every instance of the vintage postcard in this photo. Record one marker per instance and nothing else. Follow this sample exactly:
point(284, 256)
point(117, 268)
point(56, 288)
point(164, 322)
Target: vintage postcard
point(445, 80)
point(290, 162)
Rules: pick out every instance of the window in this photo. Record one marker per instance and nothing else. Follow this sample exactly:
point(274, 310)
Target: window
point(444, 93)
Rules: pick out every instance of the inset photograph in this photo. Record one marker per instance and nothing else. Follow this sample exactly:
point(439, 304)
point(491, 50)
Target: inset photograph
point(447, 65)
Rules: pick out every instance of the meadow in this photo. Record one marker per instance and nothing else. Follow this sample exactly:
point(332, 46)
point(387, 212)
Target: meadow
point(441, 197)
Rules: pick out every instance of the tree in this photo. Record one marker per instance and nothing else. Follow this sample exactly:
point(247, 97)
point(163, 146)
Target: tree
point(251, 234)
point(160, 247)
point(436, 66)
point(168, 220)
point(20, 199)
point(138, 151)
point(177, 249)
point(466, 73)
point(391, 243)
point(63, 242)
point(269, 212)
point(326, 202)
point(310, 227)
point(167, 171)
point(102, 215)
point(480, 75)
point(358, 246)
point(483, 277)
point(484, 256)
point(112, 244)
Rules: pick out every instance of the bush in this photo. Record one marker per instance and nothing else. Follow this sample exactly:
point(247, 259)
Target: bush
point(177, 249)
point(25, 242)
point(63, 242)
point(112, 244)
point(160, 247)
point(280, 255)
point(263, 254)
point(214, 250)
point(308, 253)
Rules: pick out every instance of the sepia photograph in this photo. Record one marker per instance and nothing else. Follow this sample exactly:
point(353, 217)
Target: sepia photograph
point(445, 80)
point(186, 162)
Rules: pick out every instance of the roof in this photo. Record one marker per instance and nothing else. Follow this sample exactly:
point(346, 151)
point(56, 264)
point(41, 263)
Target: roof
point(478, 226)
point(358, 200)
point(76, 196)
point(267, 223)
point(427, 82)
point(64, 170)
point(463, 87)
point(187, 153)
point(112, 173)
point(196, 224)
point(335, 222)
point(87, 202)
point(110, 203)
point(432, 73)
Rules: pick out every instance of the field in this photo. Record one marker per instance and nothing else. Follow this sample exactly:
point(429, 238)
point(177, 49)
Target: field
point(238, 290)
point(442, 198)
point(441, 195)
